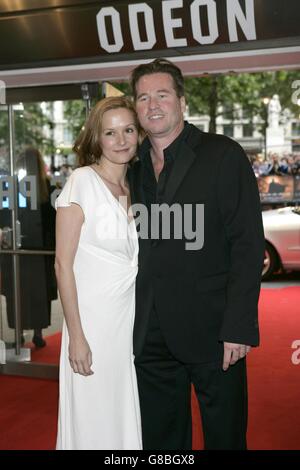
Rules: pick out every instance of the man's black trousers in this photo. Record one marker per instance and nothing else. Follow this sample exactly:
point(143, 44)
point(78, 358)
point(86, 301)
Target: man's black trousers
point(165, 398)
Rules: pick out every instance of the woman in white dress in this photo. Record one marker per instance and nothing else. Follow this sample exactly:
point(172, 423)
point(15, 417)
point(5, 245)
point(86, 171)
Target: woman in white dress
point(96, 267)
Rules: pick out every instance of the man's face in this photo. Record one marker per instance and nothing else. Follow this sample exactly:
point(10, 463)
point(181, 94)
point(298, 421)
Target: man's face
point(159, 109)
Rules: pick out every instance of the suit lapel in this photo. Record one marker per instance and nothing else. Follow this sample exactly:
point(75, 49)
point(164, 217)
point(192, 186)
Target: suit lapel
point(183, 162)
point(137, 198)
point(135, 183)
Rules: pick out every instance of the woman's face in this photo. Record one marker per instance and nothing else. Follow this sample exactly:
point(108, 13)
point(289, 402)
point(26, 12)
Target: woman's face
point(119, 136)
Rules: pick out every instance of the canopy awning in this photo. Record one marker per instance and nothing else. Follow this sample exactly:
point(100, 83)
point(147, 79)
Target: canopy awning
point(63, 41)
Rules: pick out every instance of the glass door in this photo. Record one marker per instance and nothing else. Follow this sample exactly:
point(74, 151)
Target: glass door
point(36, 158)
point(6, 231)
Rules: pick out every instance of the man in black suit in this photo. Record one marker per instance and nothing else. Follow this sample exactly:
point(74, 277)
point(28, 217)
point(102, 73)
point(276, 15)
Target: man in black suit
point(196, 305)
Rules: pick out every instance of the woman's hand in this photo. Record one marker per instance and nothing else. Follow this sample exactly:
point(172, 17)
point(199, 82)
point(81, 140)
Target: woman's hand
point(80, 356)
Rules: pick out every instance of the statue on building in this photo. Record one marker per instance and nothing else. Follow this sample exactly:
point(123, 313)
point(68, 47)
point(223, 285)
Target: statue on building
point(274, 110)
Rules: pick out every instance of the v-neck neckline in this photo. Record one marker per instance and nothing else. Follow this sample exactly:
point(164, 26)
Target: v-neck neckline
point(116, 201)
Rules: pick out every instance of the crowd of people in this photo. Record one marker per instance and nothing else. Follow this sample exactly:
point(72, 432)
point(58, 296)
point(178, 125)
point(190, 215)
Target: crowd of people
point(275, 164)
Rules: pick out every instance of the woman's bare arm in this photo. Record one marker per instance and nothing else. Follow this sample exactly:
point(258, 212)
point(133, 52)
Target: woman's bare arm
point(69, 221)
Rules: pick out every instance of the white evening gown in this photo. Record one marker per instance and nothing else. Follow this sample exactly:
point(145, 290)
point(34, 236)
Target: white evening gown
point(101, 411)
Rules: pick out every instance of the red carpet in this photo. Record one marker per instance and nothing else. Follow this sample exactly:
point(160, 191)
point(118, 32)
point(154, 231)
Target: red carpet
point(273, 380)
point(49, 354)
point(28, 413)
point(29, 406)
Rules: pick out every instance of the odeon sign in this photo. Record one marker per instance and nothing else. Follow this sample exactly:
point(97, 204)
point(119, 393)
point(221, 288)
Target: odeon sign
point(182, 24)
point(105, 38)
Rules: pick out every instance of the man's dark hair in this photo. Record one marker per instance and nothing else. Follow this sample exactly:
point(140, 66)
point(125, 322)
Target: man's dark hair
point(158, 66)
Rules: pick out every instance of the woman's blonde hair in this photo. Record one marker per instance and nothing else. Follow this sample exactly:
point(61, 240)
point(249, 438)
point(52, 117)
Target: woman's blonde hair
point(87, 145)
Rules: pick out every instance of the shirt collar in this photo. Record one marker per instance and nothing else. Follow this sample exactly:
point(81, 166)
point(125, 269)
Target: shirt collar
point(171, 150)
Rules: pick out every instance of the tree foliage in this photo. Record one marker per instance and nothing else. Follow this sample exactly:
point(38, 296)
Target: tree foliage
point(75, 116)
point(29, 130)
point(205, 95)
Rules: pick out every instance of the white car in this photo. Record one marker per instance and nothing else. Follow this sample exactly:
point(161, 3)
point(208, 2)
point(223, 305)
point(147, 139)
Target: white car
point(282, 234)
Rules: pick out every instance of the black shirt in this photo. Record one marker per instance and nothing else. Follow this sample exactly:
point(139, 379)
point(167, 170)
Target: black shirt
point(154, 190)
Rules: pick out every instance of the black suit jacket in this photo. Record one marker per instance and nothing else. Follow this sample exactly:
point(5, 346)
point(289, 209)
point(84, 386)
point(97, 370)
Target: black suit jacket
point(207, 296)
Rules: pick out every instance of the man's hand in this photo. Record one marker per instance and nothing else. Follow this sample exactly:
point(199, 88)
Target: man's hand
point(233, 352)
